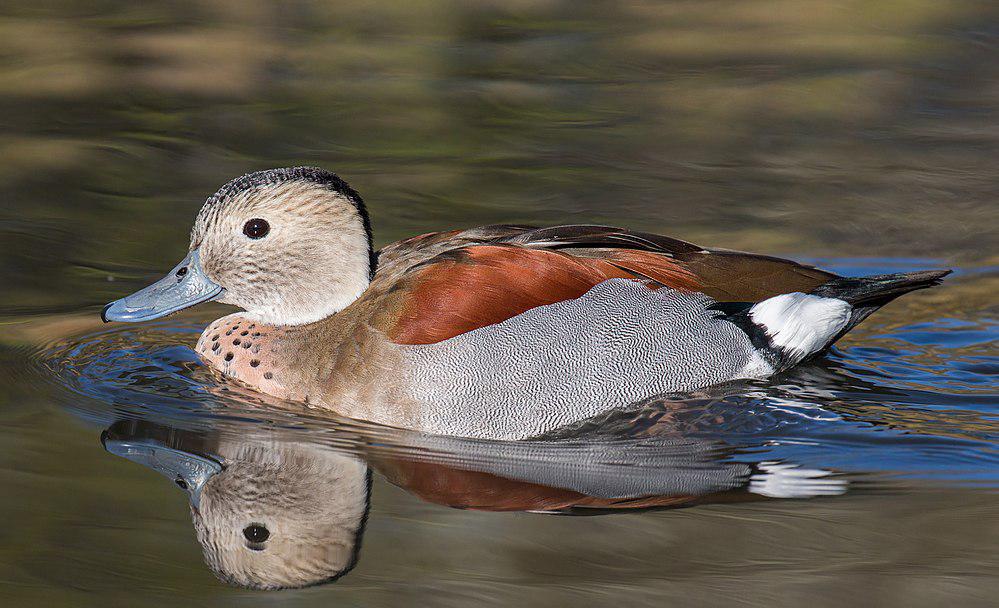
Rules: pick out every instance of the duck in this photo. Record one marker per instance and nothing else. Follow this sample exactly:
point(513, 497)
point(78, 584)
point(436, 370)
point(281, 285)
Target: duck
point(496, 332)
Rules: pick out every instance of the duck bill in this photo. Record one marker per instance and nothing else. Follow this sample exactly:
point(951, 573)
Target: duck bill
point(189, 471)
point(185, 286)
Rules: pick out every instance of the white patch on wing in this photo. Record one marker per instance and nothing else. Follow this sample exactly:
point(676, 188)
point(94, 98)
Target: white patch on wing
point(801, 323)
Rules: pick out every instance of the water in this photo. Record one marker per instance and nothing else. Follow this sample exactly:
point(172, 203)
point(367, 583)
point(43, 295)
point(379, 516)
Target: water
point(857, 136)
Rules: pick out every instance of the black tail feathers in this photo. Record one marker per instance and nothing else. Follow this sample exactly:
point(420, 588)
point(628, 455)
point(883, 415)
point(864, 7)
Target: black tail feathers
point(877, 290)
point(867, 294)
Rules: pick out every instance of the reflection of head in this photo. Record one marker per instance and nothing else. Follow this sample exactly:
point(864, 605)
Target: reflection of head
point(283, 516)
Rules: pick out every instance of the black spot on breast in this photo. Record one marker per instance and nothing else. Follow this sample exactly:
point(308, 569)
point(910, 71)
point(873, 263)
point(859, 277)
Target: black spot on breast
point(268, 375)
point(228, 356)
point(247, 344)
point(243, 333)
point(235, 342)
point(215, 338)
point(254, 362)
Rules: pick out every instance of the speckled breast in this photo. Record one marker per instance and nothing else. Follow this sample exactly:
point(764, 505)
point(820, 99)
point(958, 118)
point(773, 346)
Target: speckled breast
point(244, 350)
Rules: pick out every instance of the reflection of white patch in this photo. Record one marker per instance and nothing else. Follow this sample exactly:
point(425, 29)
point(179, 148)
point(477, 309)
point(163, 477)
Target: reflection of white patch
point(802, 409)
point(784, 480)
point(801, 323)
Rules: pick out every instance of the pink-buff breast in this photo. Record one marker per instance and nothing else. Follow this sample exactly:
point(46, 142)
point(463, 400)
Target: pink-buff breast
point(244, 350)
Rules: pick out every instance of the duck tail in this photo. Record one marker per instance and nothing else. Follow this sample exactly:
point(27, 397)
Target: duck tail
point(867, 294)
point(790, 327)
point(877, 290)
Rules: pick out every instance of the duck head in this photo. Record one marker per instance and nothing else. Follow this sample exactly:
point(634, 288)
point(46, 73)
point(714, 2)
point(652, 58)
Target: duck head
point(288, 246)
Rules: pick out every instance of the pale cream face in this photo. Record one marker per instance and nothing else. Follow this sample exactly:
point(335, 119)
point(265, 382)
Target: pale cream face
point(283, 517)
point(303, 256)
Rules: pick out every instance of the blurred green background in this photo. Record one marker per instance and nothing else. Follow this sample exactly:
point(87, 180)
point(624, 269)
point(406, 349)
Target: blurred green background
point(808, 126)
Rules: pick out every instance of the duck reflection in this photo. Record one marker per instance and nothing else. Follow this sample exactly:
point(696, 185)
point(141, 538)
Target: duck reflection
point(274, 510)
point(268, 514)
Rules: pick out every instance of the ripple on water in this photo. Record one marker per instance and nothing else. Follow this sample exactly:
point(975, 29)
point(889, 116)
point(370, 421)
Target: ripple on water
point(915, 401)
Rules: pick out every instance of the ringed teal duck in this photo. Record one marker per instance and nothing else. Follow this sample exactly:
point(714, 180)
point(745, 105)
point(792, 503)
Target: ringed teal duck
point(498, 332)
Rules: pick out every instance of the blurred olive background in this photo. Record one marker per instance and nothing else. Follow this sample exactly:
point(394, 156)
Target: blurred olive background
point(797, 127)
point(810, 128)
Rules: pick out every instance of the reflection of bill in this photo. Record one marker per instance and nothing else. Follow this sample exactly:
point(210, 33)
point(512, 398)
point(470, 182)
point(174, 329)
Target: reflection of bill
point(272, 511)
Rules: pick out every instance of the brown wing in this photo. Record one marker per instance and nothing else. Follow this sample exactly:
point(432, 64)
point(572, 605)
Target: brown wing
point(472, 287)
point(465, 489)
point(401, 255)
point(726, 276)
point(455, 282)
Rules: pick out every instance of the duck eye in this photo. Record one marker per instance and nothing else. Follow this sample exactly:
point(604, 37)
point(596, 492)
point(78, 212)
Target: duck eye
point(255, 533)
point(256, 228)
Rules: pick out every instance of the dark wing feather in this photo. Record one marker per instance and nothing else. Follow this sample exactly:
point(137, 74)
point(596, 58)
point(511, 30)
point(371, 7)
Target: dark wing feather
point(734, 276)
point(581, 236)
point(725, 275)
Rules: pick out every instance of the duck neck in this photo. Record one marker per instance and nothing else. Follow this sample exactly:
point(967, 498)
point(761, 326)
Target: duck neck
point(311, 306)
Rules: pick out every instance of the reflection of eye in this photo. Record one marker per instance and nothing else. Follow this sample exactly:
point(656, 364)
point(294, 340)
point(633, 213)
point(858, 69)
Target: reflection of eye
point(180, 482)
point(256, 533)
point(256, 228)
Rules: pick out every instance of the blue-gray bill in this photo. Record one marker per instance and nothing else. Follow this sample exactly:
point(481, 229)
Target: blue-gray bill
point(189, 471)
point(185, 286)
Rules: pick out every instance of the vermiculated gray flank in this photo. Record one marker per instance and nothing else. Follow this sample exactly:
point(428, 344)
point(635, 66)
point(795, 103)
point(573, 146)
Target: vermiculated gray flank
point(616, 344)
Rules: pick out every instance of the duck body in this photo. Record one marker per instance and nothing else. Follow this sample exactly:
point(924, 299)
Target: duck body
point(502, 331)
